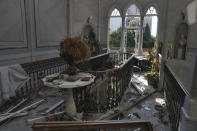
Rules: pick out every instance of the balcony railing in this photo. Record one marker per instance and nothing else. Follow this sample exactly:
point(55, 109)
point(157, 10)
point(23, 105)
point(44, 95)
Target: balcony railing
point(107, 90)
point(115, 80)
point(175, 96)
point(36, 71)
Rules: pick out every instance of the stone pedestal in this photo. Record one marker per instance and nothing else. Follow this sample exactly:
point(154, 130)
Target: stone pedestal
point(70, 104)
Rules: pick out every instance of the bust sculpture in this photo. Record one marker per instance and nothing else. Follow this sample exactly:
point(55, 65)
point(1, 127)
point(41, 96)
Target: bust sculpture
point(182, 47)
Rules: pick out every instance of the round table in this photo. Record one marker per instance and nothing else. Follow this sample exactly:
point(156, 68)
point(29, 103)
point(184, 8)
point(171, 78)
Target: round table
point(68, 86)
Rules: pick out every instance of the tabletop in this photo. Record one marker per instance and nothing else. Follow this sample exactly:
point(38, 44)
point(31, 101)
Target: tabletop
point(63, 83)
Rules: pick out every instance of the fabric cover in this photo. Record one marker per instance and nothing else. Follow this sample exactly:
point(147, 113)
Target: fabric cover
point(11, 78)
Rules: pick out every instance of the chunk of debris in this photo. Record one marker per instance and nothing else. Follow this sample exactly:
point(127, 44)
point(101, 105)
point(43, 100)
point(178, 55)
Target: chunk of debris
point(134, 115)
point(159, 108)
point(43, 118)
point(145, 107)
point(137, 115)
point(138, 129)
point(40, 94)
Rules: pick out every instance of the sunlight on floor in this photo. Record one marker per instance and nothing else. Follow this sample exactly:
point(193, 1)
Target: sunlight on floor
point(141, 79)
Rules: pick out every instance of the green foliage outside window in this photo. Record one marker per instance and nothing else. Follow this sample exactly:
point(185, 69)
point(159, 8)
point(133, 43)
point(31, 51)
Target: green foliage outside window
point(115, 38)
point(133, 23)
point(148, 40)
point(130, 39)
point(131, 34)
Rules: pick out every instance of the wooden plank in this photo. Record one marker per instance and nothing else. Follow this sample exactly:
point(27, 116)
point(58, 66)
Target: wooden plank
point(124, 107)
point(63, 126)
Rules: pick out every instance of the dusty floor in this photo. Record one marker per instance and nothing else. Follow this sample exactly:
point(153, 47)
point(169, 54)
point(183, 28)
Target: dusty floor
point(144, 111)
point(20, 124)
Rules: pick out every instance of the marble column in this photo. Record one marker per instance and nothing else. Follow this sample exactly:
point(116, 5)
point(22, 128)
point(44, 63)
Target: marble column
point(140, 44)
point(123, 45)
point(108, 35)
point(136, 41)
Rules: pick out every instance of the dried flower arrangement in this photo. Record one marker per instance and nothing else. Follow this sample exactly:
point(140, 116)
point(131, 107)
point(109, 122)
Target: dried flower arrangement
point(74, 50)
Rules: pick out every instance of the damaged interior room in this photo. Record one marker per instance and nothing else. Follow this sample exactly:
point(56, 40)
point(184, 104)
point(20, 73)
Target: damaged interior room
point(98, 65)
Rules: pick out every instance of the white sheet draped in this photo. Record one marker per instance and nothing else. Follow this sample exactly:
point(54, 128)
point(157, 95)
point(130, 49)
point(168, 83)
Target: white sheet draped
point(11, 78)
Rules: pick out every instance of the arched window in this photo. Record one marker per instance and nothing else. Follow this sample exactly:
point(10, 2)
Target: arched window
point(115, 13)
point(132, 27)
point(151, 11)
point(150, 28)
point(115, 24)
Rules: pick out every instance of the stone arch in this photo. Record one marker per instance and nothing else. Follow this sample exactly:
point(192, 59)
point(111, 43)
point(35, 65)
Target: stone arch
point(108, 22)
point(112, 9)
point(153, 15)
point(154, 6)
point(132, 3)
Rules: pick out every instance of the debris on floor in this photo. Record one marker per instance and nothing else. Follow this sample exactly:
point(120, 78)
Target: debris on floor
point(26, 108)
point(140, 102)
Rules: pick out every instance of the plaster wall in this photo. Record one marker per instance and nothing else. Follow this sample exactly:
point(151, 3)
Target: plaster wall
point(31, 29)
point(80, 12)
point(35, 27)
point(174, 18)
point(184, 69)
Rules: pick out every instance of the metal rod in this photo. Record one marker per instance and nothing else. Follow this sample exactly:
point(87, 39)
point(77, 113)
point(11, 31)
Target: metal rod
point(24, 109)
point(19, 104)
point(16, 115)
point(53, 107)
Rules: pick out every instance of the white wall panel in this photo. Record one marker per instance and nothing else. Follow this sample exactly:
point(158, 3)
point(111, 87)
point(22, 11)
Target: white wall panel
point(50, 22)
point(12, 24)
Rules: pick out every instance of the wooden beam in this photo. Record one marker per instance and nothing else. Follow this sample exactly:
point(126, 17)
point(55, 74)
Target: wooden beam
point(124, 107)
point(63, 126)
